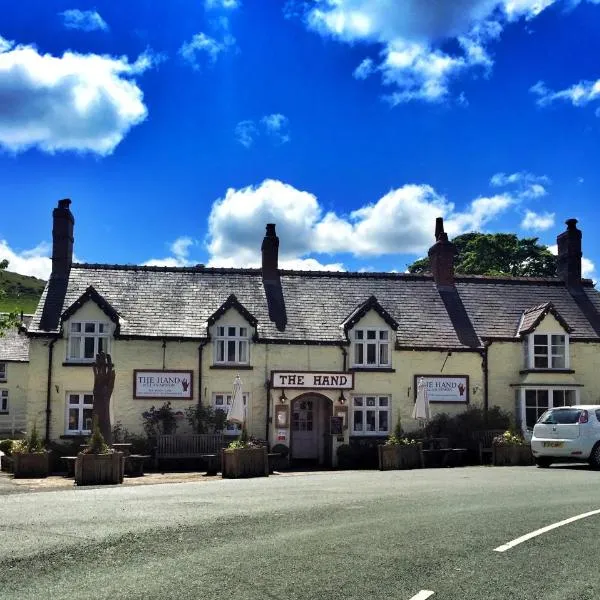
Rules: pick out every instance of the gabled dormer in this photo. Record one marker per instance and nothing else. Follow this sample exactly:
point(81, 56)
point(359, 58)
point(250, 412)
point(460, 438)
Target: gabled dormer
point(89, 324)
point(369, 328)
point(545, 335)
point(232, 327)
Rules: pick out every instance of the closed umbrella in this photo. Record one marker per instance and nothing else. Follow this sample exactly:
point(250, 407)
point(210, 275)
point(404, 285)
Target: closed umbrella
point(237, 412)
point(421, 409)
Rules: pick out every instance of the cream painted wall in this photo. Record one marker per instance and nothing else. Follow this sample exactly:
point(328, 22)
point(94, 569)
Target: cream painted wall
point(16, 383)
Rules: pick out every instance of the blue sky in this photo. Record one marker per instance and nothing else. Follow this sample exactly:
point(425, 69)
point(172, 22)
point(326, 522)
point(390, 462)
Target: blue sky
point(180, 128)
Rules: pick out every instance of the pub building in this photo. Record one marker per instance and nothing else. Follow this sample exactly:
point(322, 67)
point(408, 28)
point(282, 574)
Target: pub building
point(309, 346)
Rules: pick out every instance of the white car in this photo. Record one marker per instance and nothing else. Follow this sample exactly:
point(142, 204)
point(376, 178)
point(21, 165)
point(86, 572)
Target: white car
point(569, 433)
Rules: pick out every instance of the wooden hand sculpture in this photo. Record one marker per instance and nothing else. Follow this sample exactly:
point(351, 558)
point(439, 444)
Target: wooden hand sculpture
point(104, 383)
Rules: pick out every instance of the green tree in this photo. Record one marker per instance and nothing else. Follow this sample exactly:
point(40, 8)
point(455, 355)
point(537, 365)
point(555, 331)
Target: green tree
point(11, 319)
point(497, 254)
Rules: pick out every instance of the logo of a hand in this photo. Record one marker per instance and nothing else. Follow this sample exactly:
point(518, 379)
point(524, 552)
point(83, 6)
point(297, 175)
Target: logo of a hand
point(185, 384)
point(461, 389)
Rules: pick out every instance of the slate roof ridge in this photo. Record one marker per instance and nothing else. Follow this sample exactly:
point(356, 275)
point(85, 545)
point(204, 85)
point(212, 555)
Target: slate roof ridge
point(161, 269)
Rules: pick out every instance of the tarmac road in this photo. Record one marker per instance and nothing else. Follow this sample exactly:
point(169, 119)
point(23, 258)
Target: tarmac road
point(353, 534)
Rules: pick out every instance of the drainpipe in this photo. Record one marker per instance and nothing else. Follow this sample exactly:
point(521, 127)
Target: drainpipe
point(49, 389)
point(486, 378)
point(200, 348)
point(344, 357)
point(268, 388)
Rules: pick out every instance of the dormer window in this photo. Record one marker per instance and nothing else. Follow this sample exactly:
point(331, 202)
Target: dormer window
point(231, 345)
point(86, 339)
point(371, 347)
point(547, 351)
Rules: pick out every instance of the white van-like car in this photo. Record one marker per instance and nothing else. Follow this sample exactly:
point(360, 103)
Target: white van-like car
point(569, 433)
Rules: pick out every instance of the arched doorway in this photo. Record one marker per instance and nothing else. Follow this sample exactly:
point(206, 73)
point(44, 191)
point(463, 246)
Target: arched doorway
point(310, 442)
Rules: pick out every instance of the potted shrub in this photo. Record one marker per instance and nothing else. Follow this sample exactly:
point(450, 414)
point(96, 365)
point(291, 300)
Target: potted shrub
point(400, 453)
point(245, 458)
point(510, 449)
point(99, 464)
point(6, 460)
point(29, 456)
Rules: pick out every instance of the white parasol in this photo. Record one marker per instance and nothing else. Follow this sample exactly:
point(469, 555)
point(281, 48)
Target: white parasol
point(421, 409)
point(237, 412)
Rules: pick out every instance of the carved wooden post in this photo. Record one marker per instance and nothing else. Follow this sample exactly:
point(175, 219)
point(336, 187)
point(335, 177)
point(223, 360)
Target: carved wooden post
point(104, 383)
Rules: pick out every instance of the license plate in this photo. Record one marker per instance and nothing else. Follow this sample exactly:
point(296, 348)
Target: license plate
point(553, 444)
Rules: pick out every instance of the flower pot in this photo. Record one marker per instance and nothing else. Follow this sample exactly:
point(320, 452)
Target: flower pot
point(245, 462)
point(34, 464)
point(99, 469)
point(510, 456)
point(393, 457)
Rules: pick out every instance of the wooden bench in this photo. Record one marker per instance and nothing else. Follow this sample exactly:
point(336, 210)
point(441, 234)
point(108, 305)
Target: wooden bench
point(484, 439)
point(198, 445)
point(134, 464)
point(436, 452)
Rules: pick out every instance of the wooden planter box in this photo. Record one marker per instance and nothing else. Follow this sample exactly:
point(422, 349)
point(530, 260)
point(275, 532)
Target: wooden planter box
point(31, 465)
point(6, 463)
point(510, 456)
point(97, 469)
point(400, 457)
point(245, 462)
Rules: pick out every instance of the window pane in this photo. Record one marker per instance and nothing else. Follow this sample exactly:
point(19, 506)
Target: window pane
point(230, 351)
point(531, 416)
point(558, 398)
point(570, 399)
point(541, 362)
point(358, 421)
point(243, 332)
point(219, 400)
point(221, 331)
point(383, 354)
point(87, 419)
point(371, 354)
point(73, 419)
point(371, 335)
point(220, 350)
point(74, 347)
point(541, 340)
point(383, 401)
point(358, 401)
point(101, 327)
point(358, 334)
point(558, 340)
point(101, 344)
point(383, 334)
point(76, 327)
point(370, 401)
point(231, 331)
point(90, 327)
point(88, 399)
point(243, 351)
point(370, 420)
point(73, 398)
point(558, 362)
point(88, 347)
point(383, 420)
point(542, 398)
point(358, 354)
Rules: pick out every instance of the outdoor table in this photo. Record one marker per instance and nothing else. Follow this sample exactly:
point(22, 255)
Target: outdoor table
point(134, 464)
point(122, 447)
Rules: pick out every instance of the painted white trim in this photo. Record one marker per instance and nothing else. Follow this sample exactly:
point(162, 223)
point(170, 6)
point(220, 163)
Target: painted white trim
point(537, 532)
point(531, 350)
point(550, 390)
point(422, 595)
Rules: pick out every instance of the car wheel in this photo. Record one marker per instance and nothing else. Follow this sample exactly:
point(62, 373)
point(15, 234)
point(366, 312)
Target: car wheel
point(595, 457)
point(543, 463)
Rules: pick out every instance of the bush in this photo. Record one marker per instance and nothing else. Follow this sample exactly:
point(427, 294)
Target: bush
point(96, 444)
point(394, 440)
point(158, 421)
point(140, 444)
point(205, 419)
point(32, 444)
point(6, 446)
point(360, 453)
point(508, 438)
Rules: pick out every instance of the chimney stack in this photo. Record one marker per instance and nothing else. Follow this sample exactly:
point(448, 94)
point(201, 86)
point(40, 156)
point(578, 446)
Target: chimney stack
point(270, 254)
point(568, 262)
point(441, 257)
point(62, 240)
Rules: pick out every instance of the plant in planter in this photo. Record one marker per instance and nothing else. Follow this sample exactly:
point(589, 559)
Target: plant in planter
point(245, 458)
point(400, 453)
point(157, 421)
point(6, 461)
point(510, 449)
point(99, 464)
point(30, 457)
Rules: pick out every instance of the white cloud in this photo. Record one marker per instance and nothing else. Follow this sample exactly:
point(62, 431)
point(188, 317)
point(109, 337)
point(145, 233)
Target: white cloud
point(180, 250)
point(35, 262)
point(81, 102)
point(277, 126)
point(85, 20)
point(411, 36)
point(538, 221)
point(579, 94)
point(202, 44)
point(222, 4)
point(246, 132)
point(402, 221)
point(528, 185)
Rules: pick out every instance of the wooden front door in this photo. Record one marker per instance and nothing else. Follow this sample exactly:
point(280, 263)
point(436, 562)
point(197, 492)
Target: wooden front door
point(305, 429)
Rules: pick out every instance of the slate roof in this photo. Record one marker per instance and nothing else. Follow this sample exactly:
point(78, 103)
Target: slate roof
point(178, 302)
point(14, 345)
point(533, 316)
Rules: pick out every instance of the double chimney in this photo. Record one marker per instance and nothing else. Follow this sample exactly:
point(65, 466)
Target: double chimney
point(568, 261)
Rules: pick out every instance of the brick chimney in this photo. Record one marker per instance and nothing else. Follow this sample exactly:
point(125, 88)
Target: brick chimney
point(270, 254)
point(62, 240)
point(568, 261)
point(441, 257)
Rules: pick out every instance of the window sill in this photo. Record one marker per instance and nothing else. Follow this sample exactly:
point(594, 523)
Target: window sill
point(369, 369)
point(73, 363)
point(75, 436)
point(230, 367)
point(525, 371)
point(4, 412)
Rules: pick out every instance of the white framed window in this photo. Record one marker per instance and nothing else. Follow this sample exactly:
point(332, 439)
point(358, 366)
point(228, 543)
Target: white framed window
point(2, 371)
point(86, 339)
point(232, 345)
point(222, 401)
point(79, 413)
point(371, 348)
point(536, 401)
point(371, 415)
point(547, 351)
point(3, 401)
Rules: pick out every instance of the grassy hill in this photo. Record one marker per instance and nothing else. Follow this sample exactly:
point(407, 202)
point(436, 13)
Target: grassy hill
point(22, 292)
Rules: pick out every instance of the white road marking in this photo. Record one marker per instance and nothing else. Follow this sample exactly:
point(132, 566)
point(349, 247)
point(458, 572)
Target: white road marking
point(422, 595)
point(537, 532)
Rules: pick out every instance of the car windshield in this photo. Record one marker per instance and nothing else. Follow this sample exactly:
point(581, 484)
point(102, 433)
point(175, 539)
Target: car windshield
point(563, 416)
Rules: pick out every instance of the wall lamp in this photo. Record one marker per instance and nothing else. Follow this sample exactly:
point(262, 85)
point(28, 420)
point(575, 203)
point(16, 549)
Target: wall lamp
point(283, 397)
point(342, 398)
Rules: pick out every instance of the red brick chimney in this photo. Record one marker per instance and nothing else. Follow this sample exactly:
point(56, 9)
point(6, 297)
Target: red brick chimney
point(441, 257)
point(62, 240)
point(568, 261)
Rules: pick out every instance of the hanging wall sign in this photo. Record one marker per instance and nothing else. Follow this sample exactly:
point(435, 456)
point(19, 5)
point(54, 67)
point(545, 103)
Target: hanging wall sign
point(163, 384)
point(314, 380)
point(449, 388)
